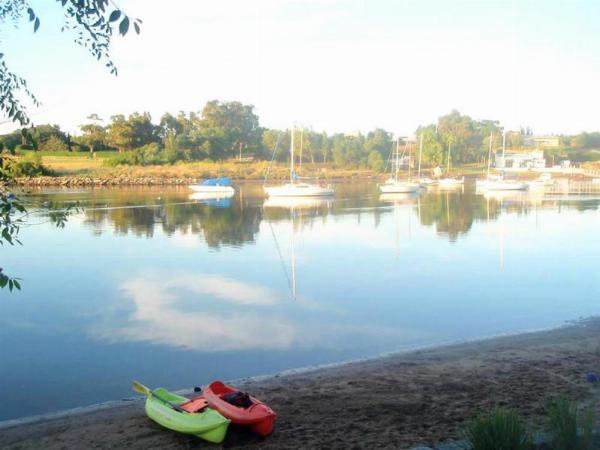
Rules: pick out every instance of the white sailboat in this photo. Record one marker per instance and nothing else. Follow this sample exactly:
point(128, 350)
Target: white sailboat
point(393, 184)
point(499, 183)
point(295, 188)
point(448, 182)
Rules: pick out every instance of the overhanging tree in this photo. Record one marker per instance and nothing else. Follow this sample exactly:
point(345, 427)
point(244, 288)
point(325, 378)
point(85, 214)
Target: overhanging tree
point(93, 22)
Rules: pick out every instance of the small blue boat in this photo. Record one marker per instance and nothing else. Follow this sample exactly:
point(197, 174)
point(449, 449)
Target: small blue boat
point(221, 185)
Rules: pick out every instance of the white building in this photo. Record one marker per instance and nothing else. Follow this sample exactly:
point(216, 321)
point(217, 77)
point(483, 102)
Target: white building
point(521, 160)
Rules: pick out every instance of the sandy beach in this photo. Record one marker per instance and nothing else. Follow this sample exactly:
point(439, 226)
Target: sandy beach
point(420, 398)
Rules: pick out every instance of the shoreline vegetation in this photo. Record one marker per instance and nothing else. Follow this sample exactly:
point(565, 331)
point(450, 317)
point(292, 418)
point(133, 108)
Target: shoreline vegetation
point(423, 397)
point(226, 139)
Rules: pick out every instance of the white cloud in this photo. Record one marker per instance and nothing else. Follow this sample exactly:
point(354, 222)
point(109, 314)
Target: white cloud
point(335, 65)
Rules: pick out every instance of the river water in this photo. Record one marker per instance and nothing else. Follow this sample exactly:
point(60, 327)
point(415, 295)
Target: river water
point(151, 284)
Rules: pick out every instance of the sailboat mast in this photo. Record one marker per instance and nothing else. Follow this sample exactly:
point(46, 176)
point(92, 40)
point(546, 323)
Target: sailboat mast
point(397, 159)
point(409, 157)
point(293, 257)
point(448, 164)
point(301, 147)
point(420, 154)
point(292, 157)
point(490, 154)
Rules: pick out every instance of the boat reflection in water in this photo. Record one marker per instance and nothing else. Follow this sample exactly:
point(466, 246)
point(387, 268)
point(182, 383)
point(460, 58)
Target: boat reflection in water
point(297, 202)
point(532, 197)
point(216, 199)
point(400, 198)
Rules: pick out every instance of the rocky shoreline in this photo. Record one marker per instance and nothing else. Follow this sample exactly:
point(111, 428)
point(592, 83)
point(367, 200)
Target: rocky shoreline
point(104, 181)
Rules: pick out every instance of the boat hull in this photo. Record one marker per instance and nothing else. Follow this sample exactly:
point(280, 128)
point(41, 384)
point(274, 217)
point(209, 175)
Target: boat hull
point(298, 190)
point(258, 417)
point(225, 190)
point(208, 424)
point(501, 185)
point(450, 183)
point(400, 187)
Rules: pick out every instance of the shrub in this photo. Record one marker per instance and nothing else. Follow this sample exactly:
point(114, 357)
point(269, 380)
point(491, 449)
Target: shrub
point(23, 147)
point(375, 161)
point(25, 168)
point(569, 429)
point(80, 148)
point(149, 154)
point(499, 430)
point(54, 144)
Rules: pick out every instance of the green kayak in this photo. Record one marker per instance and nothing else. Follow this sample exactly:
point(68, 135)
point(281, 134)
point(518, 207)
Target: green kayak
point(165, 408)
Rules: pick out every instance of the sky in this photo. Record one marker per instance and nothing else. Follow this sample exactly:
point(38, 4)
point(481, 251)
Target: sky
point(333, 65)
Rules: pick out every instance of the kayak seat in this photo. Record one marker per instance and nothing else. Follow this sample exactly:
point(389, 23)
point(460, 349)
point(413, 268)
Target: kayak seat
point(196, 404)
point(239, 399)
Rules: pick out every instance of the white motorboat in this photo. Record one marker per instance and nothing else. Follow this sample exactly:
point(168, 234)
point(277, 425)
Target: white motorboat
point(295, 188)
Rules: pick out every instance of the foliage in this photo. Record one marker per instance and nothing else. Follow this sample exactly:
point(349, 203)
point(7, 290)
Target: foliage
point(499, 430)
point(375, 161)
point(92, 21)
point(234, 122)
point(30, 166)
point(433, 152)
point(54, 144)
point(380, 141)
point(586, 140)
point(569, 428)
point(93, 134)
point(149, 154)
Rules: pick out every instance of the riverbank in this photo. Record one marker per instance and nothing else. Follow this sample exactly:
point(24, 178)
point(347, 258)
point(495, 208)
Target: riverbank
point(418, 398)
point(82, 170)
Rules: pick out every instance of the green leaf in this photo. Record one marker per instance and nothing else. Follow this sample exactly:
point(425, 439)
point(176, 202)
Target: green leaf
point(10, 285)
point(17, 284)
point(31, 14)
point(114, 16)
point(36, 24)
point(124, 26)
point(137, 27)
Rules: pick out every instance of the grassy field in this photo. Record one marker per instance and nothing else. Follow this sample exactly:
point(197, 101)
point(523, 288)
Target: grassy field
point(82, 164)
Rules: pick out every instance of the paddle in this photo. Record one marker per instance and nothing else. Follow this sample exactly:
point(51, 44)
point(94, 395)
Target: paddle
point(144, 390)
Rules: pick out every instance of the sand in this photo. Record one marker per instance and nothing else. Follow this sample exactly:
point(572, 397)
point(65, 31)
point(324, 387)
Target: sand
point(419, 398)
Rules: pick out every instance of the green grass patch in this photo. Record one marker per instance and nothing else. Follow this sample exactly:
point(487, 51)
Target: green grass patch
point(501, 429)
point(569, 427)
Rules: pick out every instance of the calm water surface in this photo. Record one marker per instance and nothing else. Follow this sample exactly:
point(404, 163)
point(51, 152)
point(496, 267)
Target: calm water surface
point(154, 285)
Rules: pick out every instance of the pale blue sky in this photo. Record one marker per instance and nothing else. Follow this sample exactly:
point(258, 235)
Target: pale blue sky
point(338, 65)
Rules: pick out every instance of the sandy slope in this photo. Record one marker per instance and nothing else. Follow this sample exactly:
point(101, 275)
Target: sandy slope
point(422, 397)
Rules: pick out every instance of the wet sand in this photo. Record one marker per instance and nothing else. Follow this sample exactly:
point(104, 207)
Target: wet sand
point(419, 398)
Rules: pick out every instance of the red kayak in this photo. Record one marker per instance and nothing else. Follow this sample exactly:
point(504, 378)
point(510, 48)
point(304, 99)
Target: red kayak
point(240, 408)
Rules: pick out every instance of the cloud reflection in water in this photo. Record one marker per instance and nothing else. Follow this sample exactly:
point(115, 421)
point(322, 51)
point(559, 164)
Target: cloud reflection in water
point(158, 316)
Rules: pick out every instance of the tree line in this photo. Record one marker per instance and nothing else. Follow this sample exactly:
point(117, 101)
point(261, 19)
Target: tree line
point(227, 130)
